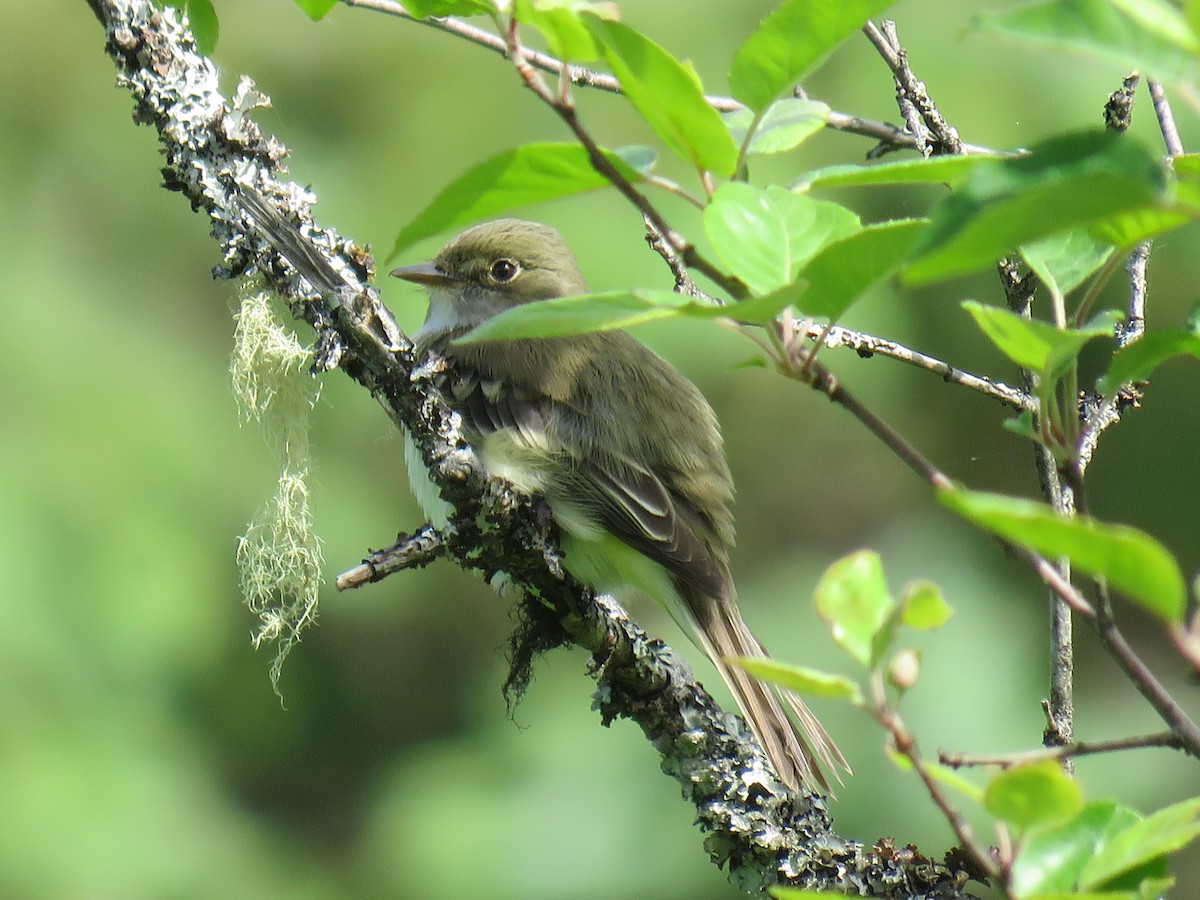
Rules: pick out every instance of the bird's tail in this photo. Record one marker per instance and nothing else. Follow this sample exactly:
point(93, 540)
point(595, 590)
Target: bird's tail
point(798, 748)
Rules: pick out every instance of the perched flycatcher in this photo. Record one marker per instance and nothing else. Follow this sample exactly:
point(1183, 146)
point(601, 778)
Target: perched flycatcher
point(624, 449)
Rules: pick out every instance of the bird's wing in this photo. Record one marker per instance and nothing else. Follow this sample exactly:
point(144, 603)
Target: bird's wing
point(620, 494)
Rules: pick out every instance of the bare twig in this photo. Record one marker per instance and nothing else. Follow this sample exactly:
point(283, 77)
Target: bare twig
point(911, 91)
point(906, 745)
point(1166, 119)
point(564, 106)
point(866, 345)
point(1118, 647)
point(889, 136)
point(1167, 739)
point(684, 283)
point(411, 551)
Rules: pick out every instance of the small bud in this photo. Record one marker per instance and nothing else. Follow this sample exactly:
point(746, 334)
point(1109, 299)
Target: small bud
point(903, 669)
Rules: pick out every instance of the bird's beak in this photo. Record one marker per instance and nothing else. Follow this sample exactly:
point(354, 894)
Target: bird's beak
point(426, 273)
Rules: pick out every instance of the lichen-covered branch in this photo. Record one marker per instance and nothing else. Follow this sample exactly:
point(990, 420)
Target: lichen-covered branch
point(217, 157)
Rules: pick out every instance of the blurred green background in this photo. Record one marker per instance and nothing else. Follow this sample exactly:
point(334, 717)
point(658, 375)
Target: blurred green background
point(143, 754)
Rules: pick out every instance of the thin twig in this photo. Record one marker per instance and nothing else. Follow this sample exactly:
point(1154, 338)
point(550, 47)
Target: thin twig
point(867, 345)
point(889, 136)
point(1166, 119)
point(564, 106)
point(909, 89)
point(1118, 647)
point(684, 283)
point(1166, 739)
point(411, 551)
point(906, 745)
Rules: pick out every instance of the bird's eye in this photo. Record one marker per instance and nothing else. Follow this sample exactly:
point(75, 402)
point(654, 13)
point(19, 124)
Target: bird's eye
point(503, 270)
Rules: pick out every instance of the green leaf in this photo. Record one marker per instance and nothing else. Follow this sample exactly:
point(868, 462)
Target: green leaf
point(852, 596)
point(764, 236)
point(947, 170)
point(561, 24)
point(791, 42)
point(838, 274)
point(423, 9)
point(843, 271)
point(1127, 229)
point(785, 125)
point(1136, 361)
point(1063, 261)
point(1038, 346)
point(1036, 794)
point(941, 774)
point(1022, 425)
point(528, 174)
point(1128, 559)
point(202, 19)
point(802, 680)
point(316, 9)
point(1051, 859)
point(924, 606)
point(562, 316)
point(1158, 834)
point(1162, 20)
point(1065, 182)
point(786, 893)
point(668, 95)
point(1104, 30)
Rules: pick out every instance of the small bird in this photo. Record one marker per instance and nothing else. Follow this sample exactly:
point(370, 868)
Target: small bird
point(624, 449)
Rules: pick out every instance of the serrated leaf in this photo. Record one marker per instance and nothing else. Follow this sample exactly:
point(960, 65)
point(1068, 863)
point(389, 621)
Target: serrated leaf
point(1051, 859)
point(316, 9)
point(791, 42)
point(528, 174)
point(1128, 559)
point(1063, 261)
point(765, 235)
point(1158, 834)
point(843, 271)
point(668, 95)
point(1136, 361)
point(852, 596)
point(1102, 30)
point(561, 24)
point(839, 273)
point(1038, 346)
point(785, 125)
point(202, 19)
point(1066, 182)
point(562, 316)
point(802, 679)
point(947, 170)
point(924, 606)
point(1039, 793)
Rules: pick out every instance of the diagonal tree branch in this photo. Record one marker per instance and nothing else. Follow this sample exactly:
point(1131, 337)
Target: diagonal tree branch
point(217, 157)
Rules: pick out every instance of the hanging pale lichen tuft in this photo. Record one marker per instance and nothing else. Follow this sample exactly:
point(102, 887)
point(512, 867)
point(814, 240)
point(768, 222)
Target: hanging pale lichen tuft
point(279, 556)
